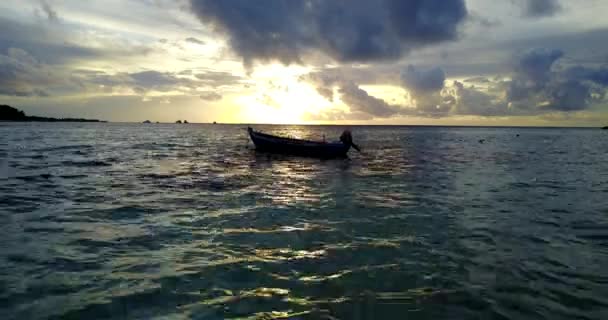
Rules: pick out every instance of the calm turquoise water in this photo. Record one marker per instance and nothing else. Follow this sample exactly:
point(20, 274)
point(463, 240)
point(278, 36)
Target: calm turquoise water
point(115, 221)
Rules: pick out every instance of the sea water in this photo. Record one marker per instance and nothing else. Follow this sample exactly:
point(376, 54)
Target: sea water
point(167, 221)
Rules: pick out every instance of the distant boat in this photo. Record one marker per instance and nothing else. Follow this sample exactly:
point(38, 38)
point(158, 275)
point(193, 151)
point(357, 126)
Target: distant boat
point(185, 121)
point(321, 149)
point(178, 121)
point(214, 122)
point(147, 121)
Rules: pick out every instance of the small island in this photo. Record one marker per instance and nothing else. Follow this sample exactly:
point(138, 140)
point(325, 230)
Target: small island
point(8, 113)
point(605, 128)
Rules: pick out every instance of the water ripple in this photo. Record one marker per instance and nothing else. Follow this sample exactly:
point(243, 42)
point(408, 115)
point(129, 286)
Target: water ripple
point(107, 221)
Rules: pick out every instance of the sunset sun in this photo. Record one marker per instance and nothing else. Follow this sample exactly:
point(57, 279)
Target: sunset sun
point(282, 96)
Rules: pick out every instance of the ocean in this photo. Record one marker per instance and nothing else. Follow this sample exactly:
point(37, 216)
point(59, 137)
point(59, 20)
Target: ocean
point(167, 221)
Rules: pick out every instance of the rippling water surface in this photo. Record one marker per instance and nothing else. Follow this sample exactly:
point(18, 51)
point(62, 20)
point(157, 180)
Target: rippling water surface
point(114, 221)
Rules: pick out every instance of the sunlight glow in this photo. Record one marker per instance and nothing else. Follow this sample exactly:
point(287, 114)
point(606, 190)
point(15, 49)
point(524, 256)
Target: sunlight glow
point(281, 96)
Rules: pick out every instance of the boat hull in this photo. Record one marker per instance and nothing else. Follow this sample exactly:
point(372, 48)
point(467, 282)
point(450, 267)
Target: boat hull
point(269, 143)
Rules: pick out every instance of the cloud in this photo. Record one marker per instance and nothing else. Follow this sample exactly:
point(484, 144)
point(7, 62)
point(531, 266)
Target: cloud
point(337, 115)
point(347, 31)
point(48, 10)
point(426, 95)
point(472, 101)
point(425, 88)
point(570, 95)
point(536, 64)
point(423, 81)
point(540, 8)
point(483, 21)
point(599, 76)
point(64, 44)
point(534, 88)
point(51, 42)
point(477, 80)
point(146, 81)
point(327, 93)
point(532, 73)
point(22, 75)
point(218, 78)
point(155, 79)
point(359, 101)
point(362, 106)
point(211, 96)
point(195, 41)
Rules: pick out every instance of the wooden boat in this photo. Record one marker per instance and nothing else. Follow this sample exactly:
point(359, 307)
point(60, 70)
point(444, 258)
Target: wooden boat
point(321, 149)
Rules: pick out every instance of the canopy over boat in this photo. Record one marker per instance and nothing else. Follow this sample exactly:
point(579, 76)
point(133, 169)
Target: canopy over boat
point(275, 144)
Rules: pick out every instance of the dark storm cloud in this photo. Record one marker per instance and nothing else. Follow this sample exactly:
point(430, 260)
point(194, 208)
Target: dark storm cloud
point(599, 76)
point(536, 64)
point(540, 8)
point(535, 87)
point(570, 95)
point(531, 74)
point(353, 30)
point(422, 81)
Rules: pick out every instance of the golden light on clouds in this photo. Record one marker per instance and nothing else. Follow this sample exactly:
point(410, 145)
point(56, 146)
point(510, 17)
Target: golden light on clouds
point(160, 60)
point(281, 96)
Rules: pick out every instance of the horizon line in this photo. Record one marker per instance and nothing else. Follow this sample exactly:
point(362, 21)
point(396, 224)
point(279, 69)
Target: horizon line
point(364, 125)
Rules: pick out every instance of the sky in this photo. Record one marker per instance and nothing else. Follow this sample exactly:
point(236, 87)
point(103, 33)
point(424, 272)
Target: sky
point(418, 62)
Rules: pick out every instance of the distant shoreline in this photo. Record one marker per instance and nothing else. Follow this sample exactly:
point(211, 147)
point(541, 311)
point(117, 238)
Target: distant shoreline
point(43, 119)
point(10, 114)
